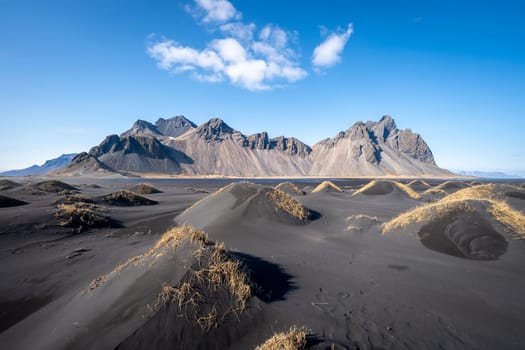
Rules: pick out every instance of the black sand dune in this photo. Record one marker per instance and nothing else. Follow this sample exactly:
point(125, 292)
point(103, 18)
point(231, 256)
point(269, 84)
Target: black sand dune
point(419, 185)
point(8, 185)
point(111, 288)
point(290, 188)
point(54, 186)
point(144, 188)
point(383, 188)
point(6, 202)
point(125, 198)
point(327, 187)
point(466, 235)
point(246, 201)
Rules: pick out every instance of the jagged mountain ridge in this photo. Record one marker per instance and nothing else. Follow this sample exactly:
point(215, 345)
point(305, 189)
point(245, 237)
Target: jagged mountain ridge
point(177, 146)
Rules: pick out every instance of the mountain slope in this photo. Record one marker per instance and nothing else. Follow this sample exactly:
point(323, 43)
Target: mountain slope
point(374, 148)
point(46, 168)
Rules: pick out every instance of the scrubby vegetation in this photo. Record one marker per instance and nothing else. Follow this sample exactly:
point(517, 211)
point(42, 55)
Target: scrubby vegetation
point(217, 272)
point(376, 187)
point(145, 189)
point(127, 199)
point(82, 216)
point(289, 188)
point(293, 339)
point(290, 205)
point(327, 185)
point(54, 186)
point(489, 196)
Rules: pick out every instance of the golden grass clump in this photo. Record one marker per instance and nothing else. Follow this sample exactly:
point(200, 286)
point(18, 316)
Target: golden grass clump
point(216, 271)
point(293, 339)
point(289, 187)
point(327, 185)
point(410, 192)
point(127, 198)
point(490, 195)
point(404, 188)
point(81, 215)
point(8, 184)
point(144, 188)
point(54, 186)
point(288, 204)
point(419, 182)
point(171, 239)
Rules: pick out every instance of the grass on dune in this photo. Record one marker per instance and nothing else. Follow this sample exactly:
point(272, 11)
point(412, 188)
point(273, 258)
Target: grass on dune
point(491, 196)
point(327, 185)
point(288, 204)
point(171, 239)
point(293, 339)
point(404, 188)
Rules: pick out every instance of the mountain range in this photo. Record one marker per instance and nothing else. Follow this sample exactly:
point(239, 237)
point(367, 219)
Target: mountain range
point(178, 146)
point(48, 167)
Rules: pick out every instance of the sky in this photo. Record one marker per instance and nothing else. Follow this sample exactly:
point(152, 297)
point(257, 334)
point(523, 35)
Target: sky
point(73, 72)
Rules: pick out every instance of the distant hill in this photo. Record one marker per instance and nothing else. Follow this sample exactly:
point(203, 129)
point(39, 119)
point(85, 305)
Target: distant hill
point(178, 146)
point(487, 174)
point(48, 167)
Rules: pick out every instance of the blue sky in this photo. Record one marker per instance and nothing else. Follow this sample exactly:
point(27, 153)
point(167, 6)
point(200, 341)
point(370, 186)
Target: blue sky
point(72, 72)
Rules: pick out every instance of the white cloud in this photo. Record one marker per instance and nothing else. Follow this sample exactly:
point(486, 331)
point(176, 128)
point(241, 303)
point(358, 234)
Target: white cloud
point(214, 11)
point(239, 30)
point(253, 62)
point(328, 53)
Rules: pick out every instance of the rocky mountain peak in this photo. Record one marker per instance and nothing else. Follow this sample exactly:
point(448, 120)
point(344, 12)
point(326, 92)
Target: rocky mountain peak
point(214, 130)
point(141, 127)
point(174, 126)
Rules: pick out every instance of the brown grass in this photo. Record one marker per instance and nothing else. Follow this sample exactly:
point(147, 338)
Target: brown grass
point(489, 196)
point(54, 186)
point(144, 188)
point(216, 272)
point(289, 187)
point(404, 188)
point(171, 239)
point(288, 204)
point(8, 184)
point(81, 215)
point(327, 184)
point(419, 182)
point(127, 198)
point(293, 339)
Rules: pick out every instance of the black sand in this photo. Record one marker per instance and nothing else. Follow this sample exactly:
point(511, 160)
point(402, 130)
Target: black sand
point(366, 290)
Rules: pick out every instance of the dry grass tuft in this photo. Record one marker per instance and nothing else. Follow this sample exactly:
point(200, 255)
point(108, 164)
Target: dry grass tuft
point(54, 186)
point(144, 188)
point(419, 182)
point(81, 215)
point(402, 187)
point(327, 185)
point(293, 339)
point(289, 188)
point(288, 204)
point(489, 196)
point(127, 198)
point(171, 239)
point(216, 272)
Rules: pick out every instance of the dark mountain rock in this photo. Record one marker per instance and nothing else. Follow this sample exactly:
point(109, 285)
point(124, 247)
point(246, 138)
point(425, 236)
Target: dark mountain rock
point(175, 126)
point(215, 130)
